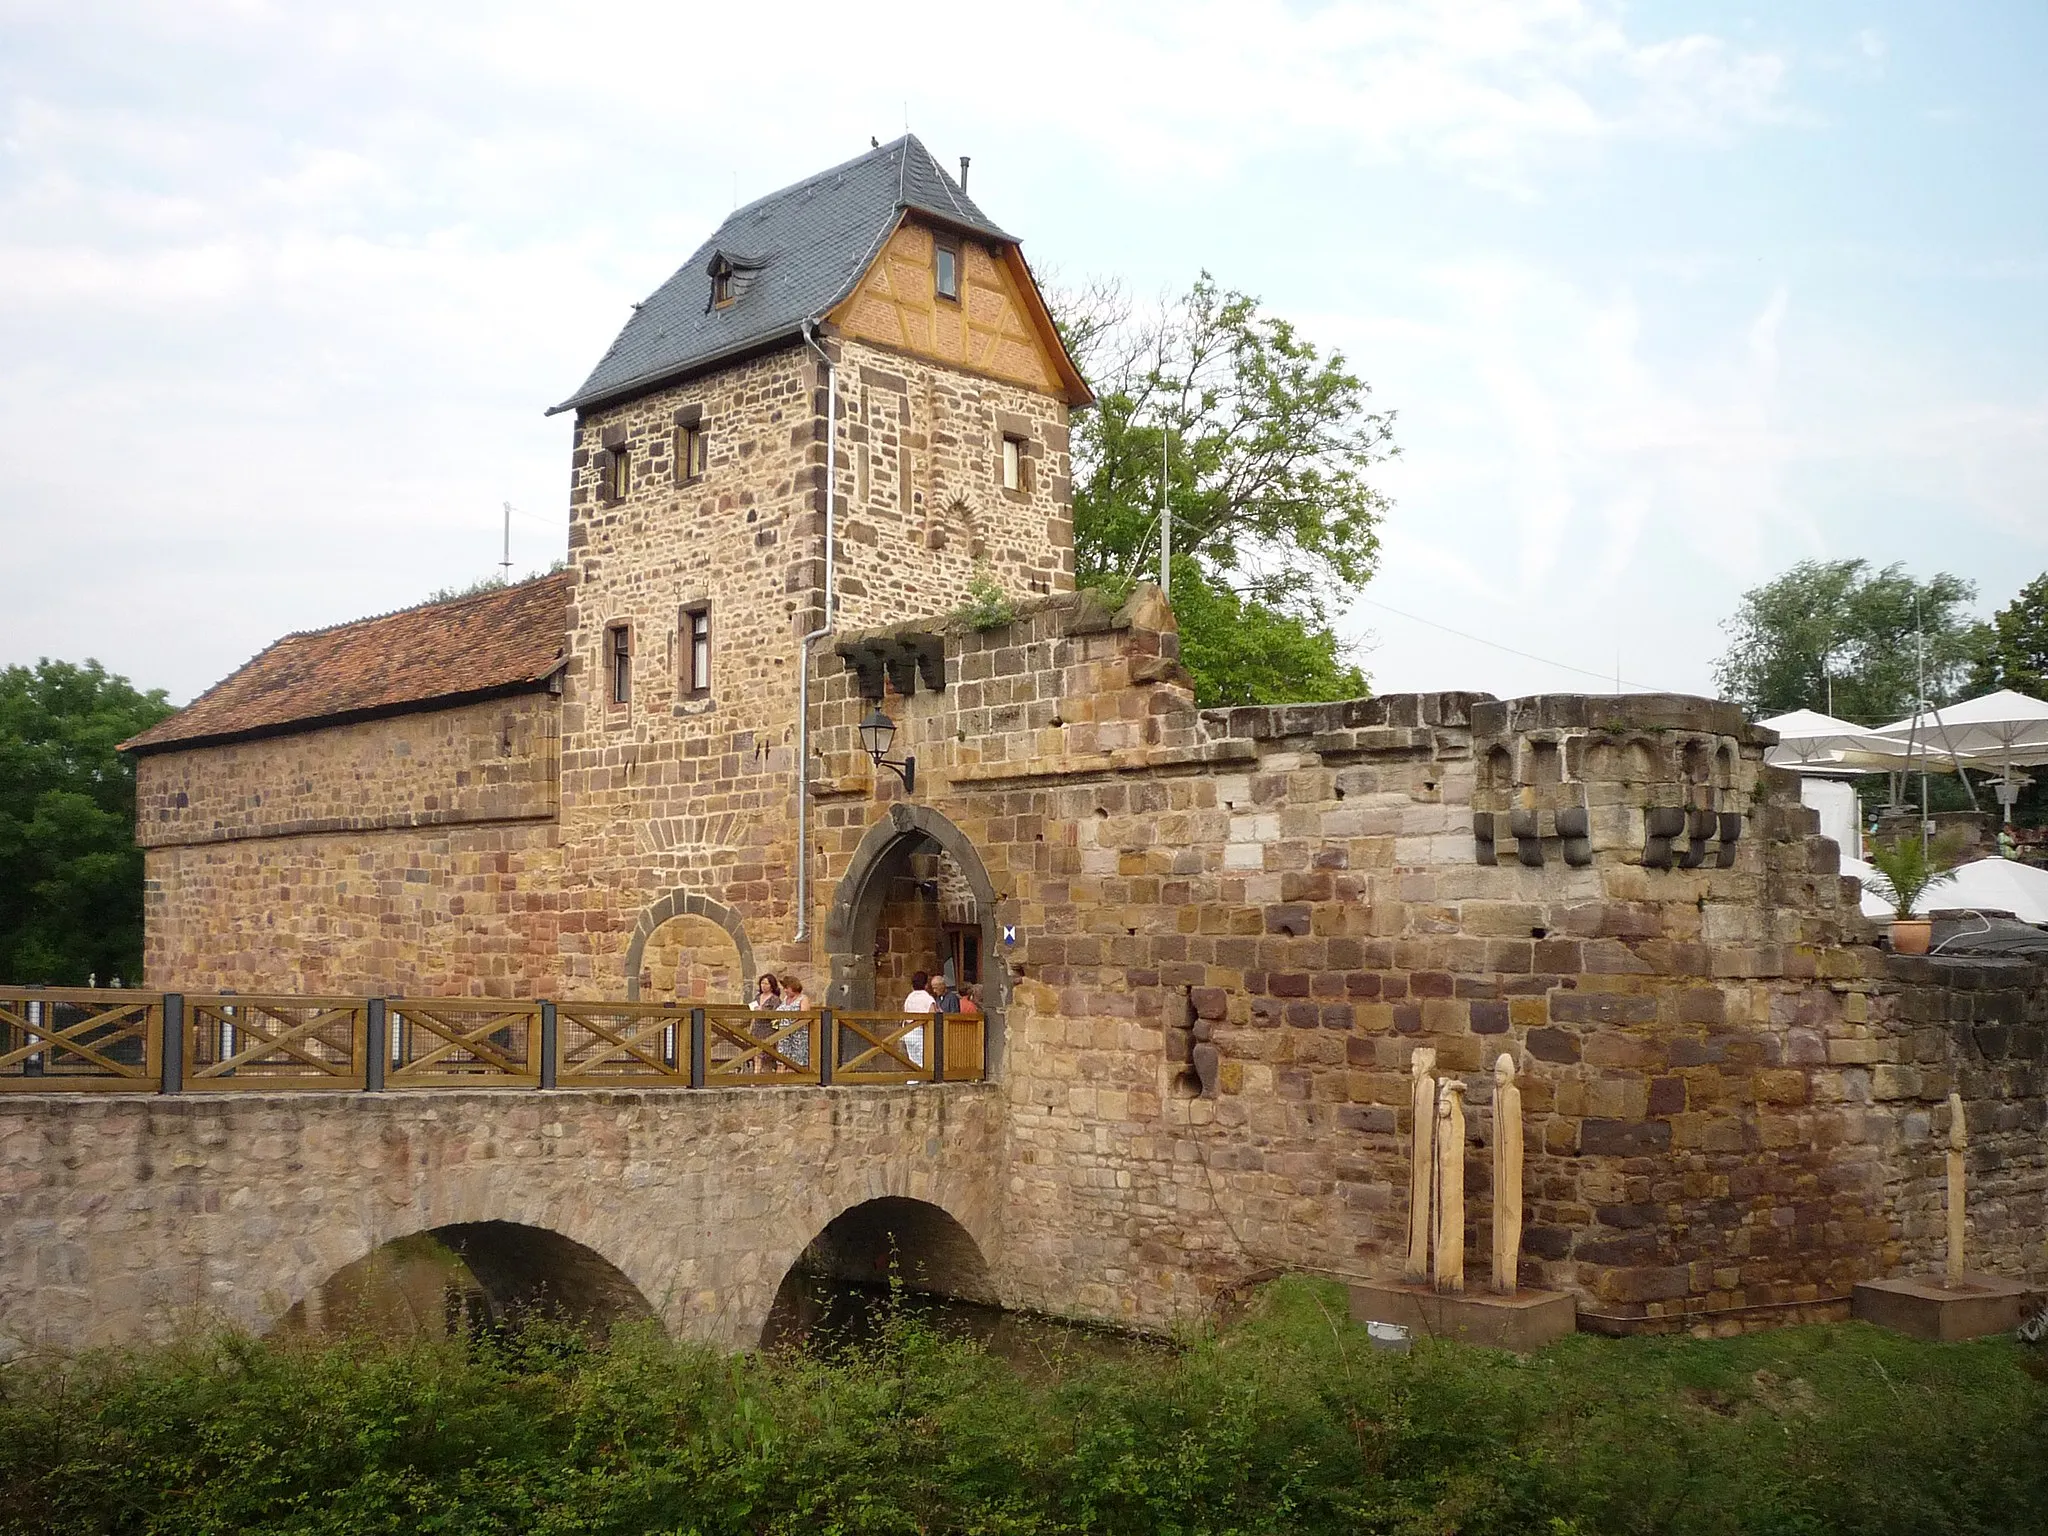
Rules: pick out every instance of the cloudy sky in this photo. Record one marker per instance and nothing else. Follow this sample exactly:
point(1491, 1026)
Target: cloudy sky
point(1667, 297)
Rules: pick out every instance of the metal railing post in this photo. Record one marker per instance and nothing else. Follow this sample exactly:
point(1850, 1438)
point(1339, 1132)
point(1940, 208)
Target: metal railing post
point(170, 1056)
point(938, 1044)
point(32, 1066)
point(697, 1048)
point(828, 1046)
point(547, 1044)
point(375, 1047)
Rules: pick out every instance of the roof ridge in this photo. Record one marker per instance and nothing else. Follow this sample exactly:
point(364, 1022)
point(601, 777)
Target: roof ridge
point(432, 602)
point(874, 153)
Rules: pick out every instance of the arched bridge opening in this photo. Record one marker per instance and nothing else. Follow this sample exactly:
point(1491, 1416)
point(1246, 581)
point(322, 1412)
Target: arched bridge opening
point(471, 1277)
point(888, 1244)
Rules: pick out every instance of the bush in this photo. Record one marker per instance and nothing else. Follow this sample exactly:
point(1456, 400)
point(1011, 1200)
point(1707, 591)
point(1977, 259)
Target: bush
point(1287, 1422)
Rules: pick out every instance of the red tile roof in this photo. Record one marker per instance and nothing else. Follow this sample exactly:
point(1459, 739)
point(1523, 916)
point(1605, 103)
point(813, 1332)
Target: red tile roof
point(497, 641)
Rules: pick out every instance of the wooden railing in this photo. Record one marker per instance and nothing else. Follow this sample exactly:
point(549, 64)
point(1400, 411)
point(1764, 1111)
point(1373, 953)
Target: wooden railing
point(55, 1040)
point(72, 1040)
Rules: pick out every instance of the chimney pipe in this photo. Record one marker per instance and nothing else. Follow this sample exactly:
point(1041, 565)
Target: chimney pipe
point(965, 161)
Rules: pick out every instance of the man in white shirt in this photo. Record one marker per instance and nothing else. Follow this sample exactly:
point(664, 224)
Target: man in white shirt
point(918, 1000)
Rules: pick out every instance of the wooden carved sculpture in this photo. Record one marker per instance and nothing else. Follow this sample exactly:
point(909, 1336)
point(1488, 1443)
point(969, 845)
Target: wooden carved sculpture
point(1958, 1127)
point(1422, 1164)
point(1450, 1186)
point(1507, 1176)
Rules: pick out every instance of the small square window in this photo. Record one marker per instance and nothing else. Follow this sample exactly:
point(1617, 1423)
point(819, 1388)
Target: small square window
point(618, 647)
point(721, 285)
point(697, 651)
point(689, 453)
point(946, 271)
point(1013, 464)
point(618, 473)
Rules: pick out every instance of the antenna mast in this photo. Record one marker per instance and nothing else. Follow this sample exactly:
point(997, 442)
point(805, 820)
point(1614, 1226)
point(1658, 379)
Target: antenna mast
point(1165, 517)
point(505, 565)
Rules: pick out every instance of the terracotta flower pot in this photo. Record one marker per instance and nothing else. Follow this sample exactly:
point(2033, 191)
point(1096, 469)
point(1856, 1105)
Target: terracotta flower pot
point(1911, 935)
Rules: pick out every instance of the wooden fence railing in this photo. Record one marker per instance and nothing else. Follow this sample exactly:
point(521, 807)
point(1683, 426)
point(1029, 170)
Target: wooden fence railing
point(57, 1040)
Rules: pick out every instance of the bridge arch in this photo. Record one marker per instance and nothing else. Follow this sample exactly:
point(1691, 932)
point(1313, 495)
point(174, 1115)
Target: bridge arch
point(885, 1239)
point(452, 1278)
point(685, 903)
point(884, 857)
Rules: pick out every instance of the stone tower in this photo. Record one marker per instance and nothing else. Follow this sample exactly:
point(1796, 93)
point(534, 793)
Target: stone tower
point(841, 410)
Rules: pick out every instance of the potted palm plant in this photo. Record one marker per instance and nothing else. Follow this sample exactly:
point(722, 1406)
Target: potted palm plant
point(1905, 870)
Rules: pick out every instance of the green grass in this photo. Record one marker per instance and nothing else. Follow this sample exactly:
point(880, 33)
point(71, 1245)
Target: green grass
point(1287, 1422)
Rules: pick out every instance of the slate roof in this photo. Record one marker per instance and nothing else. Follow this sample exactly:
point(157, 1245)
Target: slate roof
point(495, 642)
point(798, 253)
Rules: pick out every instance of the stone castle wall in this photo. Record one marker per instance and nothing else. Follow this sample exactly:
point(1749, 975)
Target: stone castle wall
point(1666, 949)
point(416, 854)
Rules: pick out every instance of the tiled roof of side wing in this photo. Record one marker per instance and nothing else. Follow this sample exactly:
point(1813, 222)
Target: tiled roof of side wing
point(800, 252)
point(508, 638)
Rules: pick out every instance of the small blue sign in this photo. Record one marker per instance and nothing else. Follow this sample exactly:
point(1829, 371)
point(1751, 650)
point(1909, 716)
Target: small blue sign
point(1009, 934)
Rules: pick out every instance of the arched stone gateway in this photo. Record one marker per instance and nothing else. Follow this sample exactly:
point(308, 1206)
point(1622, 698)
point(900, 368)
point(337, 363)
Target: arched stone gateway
point(682, 904)
point(917, 848)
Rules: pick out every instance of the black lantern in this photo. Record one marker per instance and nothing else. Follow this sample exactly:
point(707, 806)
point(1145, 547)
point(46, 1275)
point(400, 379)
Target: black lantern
point(877, 731)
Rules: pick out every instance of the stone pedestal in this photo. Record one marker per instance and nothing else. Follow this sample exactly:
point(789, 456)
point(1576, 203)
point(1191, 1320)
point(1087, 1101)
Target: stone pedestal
point(1922, 1307)
point(1524, 1321)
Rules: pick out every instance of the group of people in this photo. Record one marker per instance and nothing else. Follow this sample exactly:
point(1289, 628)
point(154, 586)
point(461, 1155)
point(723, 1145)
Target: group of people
point(785, 994)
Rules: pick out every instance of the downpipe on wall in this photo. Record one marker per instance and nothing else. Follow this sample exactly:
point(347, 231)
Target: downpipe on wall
point(803, 673)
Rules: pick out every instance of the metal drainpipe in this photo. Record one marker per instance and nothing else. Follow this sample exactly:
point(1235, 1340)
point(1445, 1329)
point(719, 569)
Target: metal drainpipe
point(803, 675)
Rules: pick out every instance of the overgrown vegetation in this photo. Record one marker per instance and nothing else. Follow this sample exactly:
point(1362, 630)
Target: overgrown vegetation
point(1289, 1422)
point(987, 606)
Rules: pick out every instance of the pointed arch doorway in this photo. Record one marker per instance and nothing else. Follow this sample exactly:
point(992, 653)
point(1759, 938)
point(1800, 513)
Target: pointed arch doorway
point(915, 897)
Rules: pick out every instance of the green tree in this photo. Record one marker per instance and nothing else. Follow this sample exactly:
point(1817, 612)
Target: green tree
point(1268, 443)
point(2016, 648)
point(1835, 628)
point(71, 899)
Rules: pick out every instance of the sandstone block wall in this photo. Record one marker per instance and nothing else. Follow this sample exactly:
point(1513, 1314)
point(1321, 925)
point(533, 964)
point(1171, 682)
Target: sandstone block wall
point(417, 853)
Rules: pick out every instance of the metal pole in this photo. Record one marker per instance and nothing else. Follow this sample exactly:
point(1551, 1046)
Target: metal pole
point(697, 1048)
point(374, 1045)
point(547, 1045)
point(938, 1044)
point(828, 1047)
point(1165, 518)
point(171, 1050)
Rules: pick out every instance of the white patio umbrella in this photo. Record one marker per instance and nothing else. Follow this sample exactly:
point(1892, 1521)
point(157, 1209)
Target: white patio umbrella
point(2003, 730)
point(1811, 742)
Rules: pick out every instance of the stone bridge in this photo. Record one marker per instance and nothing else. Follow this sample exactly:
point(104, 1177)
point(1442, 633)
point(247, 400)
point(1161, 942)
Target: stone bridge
point(134, 1216)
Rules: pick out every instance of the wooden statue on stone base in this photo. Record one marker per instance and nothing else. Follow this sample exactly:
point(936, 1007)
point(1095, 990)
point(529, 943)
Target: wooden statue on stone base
point(1450, 1186)
point(1507, 1176)
point(1958, 1143)
point(1422, 1164)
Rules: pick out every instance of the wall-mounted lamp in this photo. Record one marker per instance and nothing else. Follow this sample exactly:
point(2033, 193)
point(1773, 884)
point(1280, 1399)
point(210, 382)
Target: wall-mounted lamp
point(876, 732)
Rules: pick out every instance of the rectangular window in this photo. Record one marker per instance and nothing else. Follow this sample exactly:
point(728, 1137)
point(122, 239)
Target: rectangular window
point(697, 651)
point(1013, 464)
point(618, 649)
point(689, 453)
point(618, 474)
point(946, 271)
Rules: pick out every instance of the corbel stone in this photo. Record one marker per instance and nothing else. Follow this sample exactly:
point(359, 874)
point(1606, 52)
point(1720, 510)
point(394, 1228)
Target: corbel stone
point(1700, 827)
point(930, 651)
point(1731, 834)
point(1661, 824)
point(868, 662)
point(1527, 827)
point(1575, 833)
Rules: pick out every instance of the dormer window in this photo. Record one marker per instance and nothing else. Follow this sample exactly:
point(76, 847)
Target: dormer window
point(721, 283)
point(946, 271)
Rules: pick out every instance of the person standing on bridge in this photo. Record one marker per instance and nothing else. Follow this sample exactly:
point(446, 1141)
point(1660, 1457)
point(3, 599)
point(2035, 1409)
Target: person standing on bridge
point(919, 999)
point(796, 1047)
